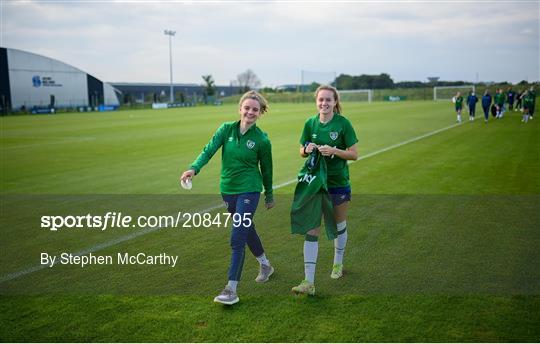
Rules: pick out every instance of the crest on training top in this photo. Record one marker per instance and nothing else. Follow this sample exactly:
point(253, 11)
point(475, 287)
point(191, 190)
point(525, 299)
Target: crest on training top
point(250, 144)
point(334, 135)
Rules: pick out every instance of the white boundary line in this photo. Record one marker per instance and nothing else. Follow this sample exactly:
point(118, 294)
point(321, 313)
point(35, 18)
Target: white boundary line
point(62, 141)
point(147, 230)
point(397, 145)
point(95, 248)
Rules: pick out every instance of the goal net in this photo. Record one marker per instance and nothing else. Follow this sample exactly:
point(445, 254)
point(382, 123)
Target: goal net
point(448, 92)
point(356, 95)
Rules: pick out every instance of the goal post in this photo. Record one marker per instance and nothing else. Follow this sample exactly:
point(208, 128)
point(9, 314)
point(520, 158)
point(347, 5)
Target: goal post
point(356, 95)
point(447, 92)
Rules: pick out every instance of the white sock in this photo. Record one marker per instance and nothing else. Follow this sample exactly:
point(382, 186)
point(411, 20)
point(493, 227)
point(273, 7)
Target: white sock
point(232, 285)
point(340, 242)
point(263, 260)
point(311, 249)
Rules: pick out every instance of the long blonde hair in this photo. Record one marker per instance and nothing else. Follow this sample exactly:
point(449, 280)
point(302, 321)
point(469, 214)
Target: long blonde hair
point(337, 107)
point(263, 103)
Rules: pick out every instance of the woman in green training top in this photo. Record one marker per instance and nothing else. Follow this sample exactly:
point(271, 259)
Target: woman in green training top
point(458, 100)
point(333, 135)
point(246, 166)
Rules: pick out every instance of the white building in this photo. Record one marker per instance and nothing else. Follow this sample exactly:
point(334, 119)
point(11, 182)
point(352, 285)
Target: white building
point(32, 80)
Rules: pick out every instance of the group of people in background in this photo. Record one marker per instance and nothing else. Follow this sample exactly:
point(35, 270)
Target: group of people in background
point(523, 101)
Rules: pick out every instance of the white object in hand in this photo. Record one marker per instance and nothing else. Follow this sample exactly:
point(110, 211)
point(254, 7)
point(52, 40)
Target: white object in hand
point(186, 184)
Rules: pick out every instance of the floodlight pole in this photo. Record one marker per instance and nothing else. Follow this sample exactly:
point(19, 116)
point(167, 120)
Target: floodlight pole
point(170, 34)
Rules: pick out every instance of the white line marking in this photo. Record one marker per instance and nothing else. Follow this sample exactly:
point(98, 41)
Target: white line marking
point(98, 247)
point(62, 141)
point(397, 145)
point(125, 238)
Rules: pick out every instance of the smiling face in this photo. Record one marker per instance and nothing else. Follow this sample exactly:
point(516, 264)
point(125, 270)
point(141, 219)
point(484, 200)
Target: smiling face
point(250, 111)
point(325, 102)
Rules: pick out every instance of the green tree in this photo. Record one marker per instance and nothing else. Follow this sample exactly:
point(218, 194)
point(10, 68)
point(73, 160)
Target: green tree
point(313, 86)
point(364, 81)
point(210, 85)
point(344, 82)
point(382, 81)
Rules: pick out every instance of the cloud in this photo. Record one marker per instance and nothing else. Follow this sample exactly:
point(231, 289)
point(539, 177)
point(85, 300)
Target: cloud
point(124, 41)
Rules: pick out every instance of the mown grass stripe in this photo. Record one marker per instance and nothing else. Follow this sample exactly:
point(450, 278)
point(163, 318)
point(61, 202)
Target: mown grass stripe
point(125, 238)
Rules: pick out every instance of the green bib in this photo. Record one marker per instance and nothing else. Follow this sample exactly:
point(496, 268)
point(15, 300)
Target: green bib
point(311, 199)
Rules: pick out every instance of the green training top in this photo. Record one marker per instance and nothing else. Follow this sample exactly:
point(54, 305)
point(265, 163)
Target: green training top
point(241, 156)
point(500, 98)
point(311, 199)
point(339, 133)
point(529, 99)
point(459, 102)
point(533, 97)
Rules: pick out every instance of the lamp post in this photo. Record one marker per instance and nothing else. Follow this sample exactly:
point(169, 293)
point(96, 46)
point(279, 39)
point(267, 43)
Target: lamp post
point(170, 34)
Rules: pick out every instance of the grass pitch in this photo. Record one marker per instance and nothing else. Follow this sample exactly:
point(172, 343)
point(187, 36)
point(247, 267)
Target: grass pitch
point(443, 230)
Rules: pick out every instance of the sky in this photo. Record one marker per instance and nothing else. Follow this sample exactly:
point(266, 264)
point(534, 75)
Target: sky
point(124, 41)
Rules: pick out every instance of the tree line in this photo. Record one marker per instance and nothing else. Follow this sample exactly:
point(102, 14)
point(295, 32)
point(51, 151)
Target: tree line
point(248, 80)
point(384, 81)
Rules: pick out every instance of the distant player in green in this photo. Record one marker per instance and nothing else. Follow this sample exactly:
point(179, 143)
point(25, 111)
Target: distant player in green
point(333, 135)
point(528, 104)
point(458, 100)
point(246, 165)
point(499, 100)
point(519, 100)
point(533, 104)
